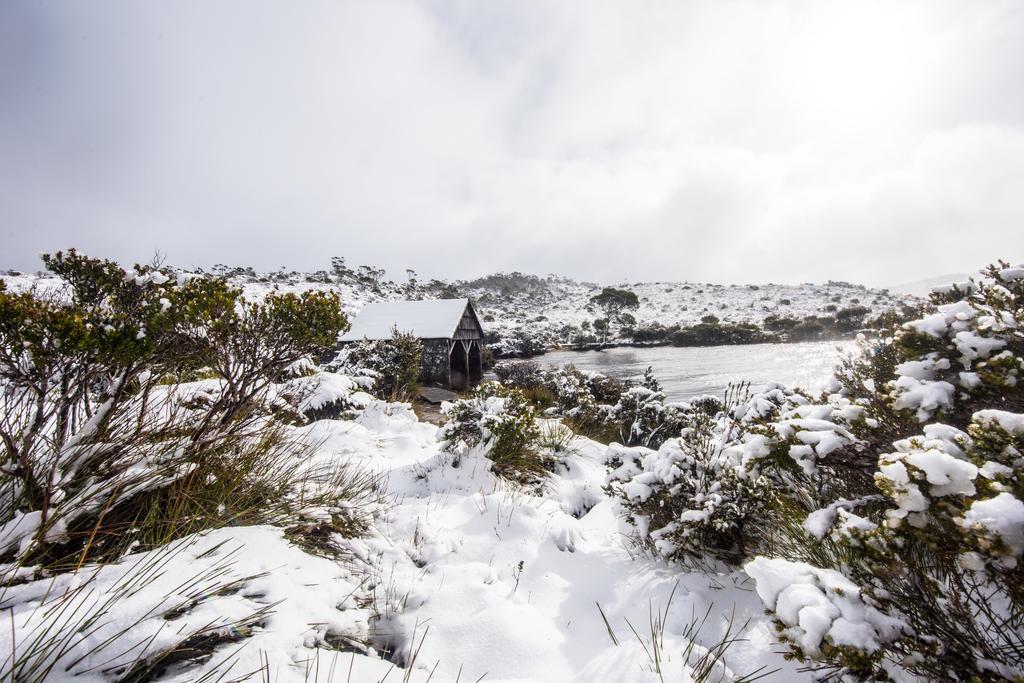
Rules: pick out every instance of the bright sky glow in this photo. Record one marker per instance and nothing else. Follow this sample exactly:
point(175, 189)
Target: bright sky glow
point(733, 141)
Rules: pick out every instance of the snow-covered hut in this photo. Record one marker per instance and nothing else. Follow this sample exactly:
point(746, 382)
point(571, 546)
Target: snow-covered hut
point(449, 328)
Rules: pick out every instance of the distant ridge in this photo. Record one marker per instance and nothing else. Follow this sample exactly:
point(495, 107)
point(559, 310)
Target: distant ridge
point(922, 287)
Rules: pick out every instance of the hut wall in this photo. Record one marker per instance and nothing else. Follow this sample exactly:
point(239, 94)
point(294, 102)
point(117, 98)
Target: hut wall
point(434, 366)
point(468, 327)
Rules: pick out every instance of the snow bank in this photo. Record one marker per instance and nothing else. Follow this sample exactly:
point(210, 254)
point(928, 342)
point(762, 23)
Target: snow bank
point(234, 586)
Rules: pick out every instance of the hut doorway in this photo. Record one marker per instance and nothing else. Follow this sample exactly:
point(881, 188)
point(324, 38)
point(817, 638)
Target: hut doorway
point(458, 363)
point(476, 365)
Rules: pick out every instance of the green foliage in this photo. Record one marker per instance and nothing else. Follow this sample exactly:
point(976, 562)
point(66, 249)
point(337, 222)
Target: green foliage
point(850, 319)
point(614, 302)
point(566, 392)
point(510, 284)
point(101, 447)
point(395, 364)
point(501, 421)
point(713, 333)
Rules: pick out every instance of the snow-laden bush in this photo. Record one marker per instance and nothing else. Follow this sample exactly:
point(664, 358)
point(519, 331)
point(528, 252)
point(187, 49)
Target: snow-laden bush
point(393, 365)
point(968, 349)
point(520, 343)
point(937, 551)
point(892, 503)
point(521, 374)
point(141, 413)
point(697, 494)
point(570, 387)
point(326, 395)
point(582, 398)
point(643, 418)
point(928, 537)
point(731, 477)
point(502, 423)
point(103, 448)
point(600, 406)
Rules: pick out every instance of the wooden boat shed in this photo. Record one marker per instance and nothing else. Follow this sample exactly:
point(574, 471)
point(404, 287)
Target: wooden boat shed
point(449, 329)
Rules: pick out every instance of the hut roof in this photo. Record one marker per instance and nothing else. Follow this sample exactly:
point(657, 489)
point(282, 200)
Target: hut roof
point(428, 319)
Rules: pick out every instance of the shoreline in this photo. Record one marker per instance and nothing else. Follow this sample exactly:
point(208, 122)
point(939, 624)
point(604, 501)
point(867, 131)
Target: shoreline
point(656, 345)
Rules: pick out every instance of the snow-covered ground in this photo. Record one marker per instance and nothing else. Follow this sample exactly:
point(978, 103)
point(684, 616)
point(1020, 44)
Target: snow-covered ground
point(509, 581)
point(474, 578)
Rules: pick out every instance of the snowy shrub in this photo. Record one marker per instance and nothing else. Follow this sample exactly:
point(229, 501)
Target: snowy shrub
point(709, 405)
point(530, 378)
point(326, 395)
point(502, 423)
point(971, 348)
point(739, 472)
point(521, 374)
point(910, 562)
point(556, 439)
point(573, 391)
point(102, 448)
point(700, 493)
point(642, 417)
point(393, 364)
point(815, 445)
point(567, 392)
point(938, 552)
point(518, 344)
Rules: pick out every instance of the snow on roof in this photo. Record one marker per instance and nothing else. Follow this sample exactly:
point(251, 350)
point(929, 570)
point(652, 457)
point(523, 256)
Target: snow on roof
point(428, 319)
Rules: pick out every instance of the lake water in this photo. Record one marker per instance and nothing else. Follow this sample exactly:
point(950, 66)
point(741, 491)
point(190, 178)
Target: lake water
point(685, 372)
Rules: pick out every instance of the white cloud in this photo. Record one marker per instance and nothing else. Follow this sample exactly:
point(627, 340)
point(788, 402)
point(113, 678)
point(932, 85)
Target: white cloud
point(705, 140)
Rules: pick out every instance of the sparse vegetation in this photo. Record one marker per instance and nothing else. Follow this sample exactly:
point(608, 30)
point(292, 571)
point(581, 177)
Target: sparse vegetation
point(393, 364)
point(887, 502)
point(500, 421)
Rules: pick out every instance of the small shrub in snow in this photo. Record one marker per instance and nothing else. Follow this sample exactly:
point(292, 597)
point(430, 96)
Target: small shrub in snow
point(580, 397)
point(519, 343)
point(556, 439)
point(500, 421)
point(697, 494)
point(726, 473)
point(393, 364)
point(520, 373)
point(644, 419)
point(326, 395)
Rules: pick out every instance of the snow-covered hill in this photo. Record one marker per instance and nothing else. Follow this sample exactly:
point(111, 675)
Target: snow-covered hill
point(920, 288)
point(558, 310)
point(557, 307)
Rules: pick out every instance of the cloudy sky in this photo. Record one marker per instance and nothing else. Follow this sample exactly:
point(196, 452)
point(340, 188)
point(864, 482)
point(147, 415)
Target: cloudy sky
point(727, 140)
